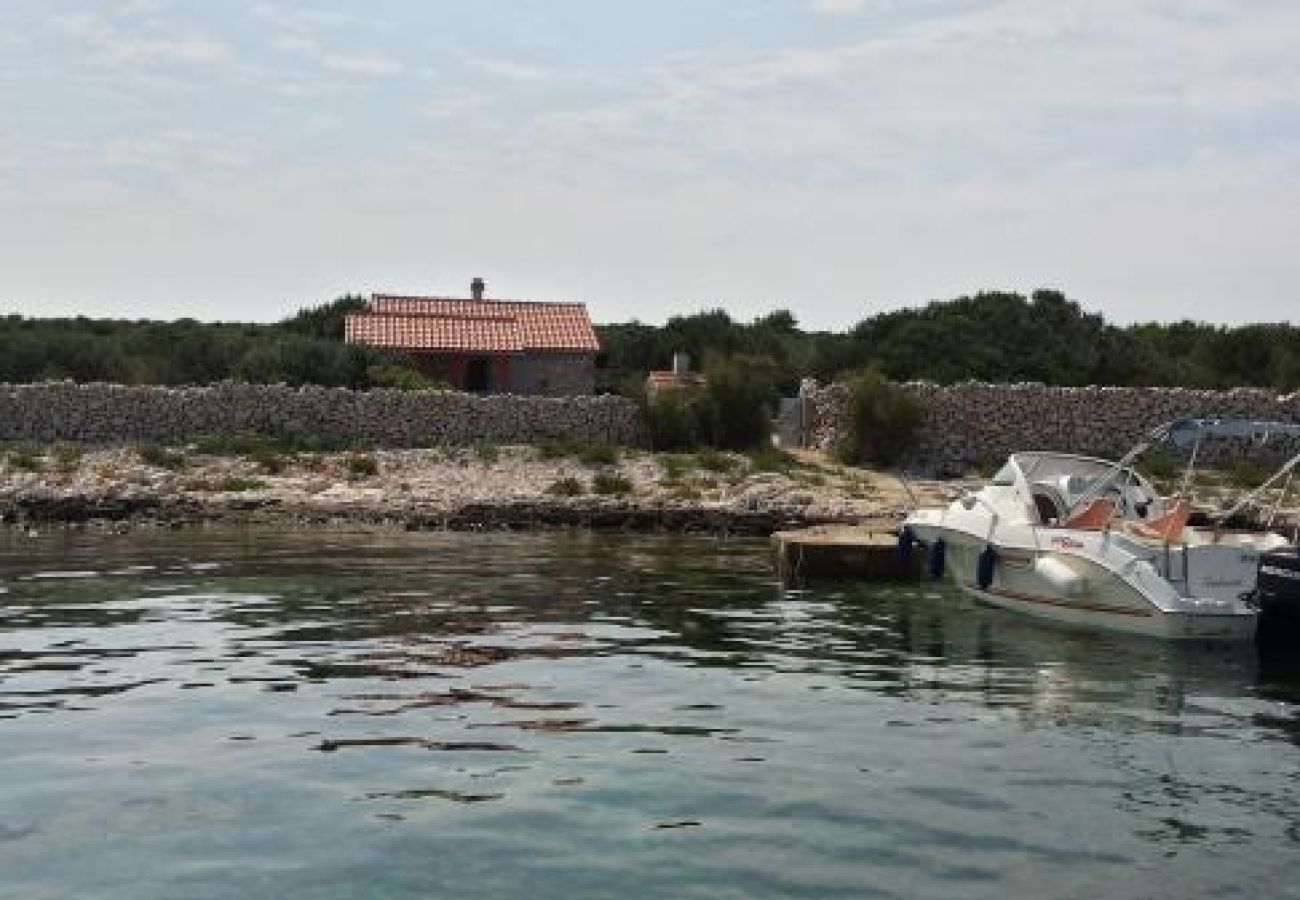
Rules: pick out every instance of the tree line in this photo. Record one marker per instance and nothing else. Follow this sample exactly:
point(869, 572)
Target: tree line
point(992, 336)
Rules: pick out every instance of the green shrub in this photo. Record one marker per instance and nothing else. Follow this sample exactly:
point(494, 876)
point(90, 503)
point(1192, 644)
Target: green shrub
point(733, 412)
point(403, 378)
point(1247, 475)
point(555, 448)
point(675, 421)
point(740, 395)
point(610, 483)
point(486, 452)
point(770, 459)
point(67, 457)
point(361, 465)
point(236, 484)
point(674, 466)
point(715, 461)
point(881, 422)
point(567, 487)
point(598, 454)
point(26, 458)
point(271, 461)
point(240, 443)
point(591, 453)
point(1161, 465)
point(161, 457)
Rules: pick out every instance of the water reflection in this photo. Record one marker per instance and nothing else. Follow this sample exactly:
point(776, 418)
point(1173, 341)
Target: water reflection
point(591, 688)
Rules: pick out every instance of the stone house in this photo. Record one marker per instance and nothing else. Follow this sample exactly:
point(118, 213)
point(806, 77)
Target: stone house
point(486, 346)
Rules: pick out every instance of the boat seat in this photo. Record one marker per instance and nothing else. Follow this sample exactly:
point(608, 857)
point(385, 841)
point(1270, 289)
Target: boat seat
point(1093, 517)
point(1164, 528)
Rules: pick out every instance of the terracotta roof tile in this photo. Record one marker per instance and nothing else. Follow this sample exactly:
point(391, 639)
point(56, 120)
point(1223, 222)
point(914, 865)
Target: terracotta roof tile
point(444, 323)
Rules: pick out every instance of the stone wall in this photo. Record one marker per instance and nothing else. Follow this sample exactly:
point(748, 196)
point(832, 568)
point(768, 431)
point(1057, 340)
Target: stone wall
point(554, 374)
point(977, 422)
point(108, 414)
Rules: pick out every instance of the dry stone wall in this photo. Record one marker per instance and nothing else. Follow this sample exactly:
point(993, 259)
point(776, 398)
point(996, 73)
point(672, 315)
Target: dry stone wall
point(979, 422)
point(109, 414)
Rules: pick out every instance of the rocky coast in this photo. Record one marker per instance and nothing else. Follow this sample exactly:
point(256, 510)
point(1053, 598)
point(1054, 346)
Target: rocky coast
point(486, 487)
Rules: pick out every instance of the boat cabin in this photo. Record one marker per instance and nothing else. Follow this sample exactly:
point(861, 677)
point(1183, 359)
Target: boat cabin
point(1060, 489)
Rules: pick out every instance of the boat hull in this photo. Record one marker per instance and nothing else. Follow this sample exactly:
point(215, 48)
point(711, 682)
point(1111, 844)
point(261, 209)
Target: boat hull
point(1062, 584)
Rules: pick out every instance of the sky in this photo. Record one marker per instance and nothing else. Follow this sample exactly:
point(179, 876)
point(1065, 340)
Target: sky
point(238, 160)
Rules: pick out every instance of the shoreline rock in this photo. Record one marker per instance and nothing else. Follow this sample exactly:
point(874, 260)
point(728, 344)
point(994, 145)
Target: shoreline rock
point(417, 490)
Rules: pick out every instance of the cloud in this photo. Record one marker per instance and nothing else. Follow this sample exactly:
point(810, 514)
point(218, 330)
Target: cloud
point(1138, 153)
point(838, 7)
point(345, 61)
point(114, 46)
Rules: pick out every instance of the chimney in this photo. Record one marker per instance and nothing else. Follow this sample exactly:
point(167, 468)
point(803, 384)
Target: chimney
point(477, 287)
point(681, 364)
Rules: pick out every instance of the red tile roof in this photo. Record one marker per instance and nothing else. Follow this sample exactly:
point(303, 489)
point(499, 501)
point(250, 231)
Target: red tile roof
point(492, 326)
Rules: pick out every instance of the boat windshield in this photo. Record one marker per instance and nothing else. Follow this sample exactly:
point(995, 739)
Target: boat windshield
point(1072, 477)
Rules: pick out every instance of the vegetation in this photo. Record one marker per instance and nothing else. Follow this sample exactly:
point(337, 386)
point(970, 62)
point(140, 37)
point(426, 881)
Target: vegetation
point(715, 461)
point(566, 487)
point(305, 349)
point(882, 422)
point(591, 453)
point(486, 452)
point(362, 465)
point(733, 412)
point(23, 457)
point(236, 484)
point(67, 457)
point(611, 483)
point(161, 457)
point(993, 336)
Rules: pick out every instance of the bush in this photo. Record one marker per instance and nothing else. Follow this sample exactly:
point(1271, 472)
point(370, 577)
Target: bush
point(598, 454)
point(361, 465)
point(881, 423)
point(732, 413)
point(25, 458)
point(715, 461)
point(271, 461)
point(588, 453)
point(486, 452)
point(740, 396)
point(555, 448)
point(674, 421)
point(1161, 466)
point(236, 484)
point(610, 483)
point(770, 459)
point(161, 457)
point(67, 457)
point(675, 466)
point(403, 378)
point(1247, 475)
point(566, 487)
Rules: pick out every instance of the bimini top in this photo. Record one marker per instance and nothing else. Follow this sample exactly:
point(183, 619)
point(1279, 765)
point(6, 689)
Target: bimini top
point(1185, 432)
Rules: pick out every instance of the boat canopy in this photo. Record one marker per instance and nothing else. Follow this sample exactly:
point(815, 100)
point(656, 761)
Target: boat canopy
point(1187, 432)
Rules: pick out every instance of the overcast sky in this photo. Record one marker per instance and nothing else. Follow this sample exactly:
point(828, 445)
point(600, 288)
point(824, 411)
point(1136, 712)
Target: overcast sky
point(238, 160)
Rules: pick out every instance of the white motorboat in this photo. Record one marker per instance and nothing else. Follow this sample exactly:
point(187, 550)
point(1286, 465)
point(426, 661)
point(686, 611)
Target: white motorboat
point(1090, 542)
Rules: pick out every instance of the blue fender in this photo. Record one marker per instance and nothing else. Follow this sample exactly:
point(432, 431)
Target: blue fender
point(984, 569)
point(938, 557)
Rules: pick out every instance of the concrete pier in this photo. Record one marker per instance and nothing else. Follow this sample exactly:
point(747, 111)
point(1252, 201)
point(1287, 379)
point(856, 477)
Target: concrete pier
point(862, 552)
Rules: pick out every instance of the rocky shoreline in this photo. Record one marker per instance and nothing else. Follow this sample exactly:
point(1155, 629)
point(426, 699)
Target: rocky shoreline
point(506, 488)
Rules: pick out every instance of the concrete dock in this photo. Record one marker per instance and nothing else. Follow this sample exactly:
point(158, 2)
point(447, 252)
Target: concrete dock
point(860, 552)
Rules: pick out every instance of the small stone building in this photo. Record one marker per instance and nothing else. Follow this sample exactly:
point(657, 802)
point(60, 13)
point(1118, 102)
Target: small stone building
point(486, 346)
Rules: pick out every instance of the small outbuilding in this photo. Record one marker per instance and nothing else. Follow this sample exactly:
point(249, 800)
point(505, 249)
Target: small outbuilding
point(486, 346)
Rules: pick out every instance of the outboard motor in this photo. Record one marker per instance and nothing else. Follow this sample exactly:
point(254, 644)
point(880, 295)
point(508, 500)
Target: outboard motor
point(1277, 595)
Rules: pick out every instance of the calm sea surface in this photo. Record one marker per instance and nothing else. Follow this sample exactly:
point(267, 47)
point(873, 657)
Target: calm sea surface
point(265, 715)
